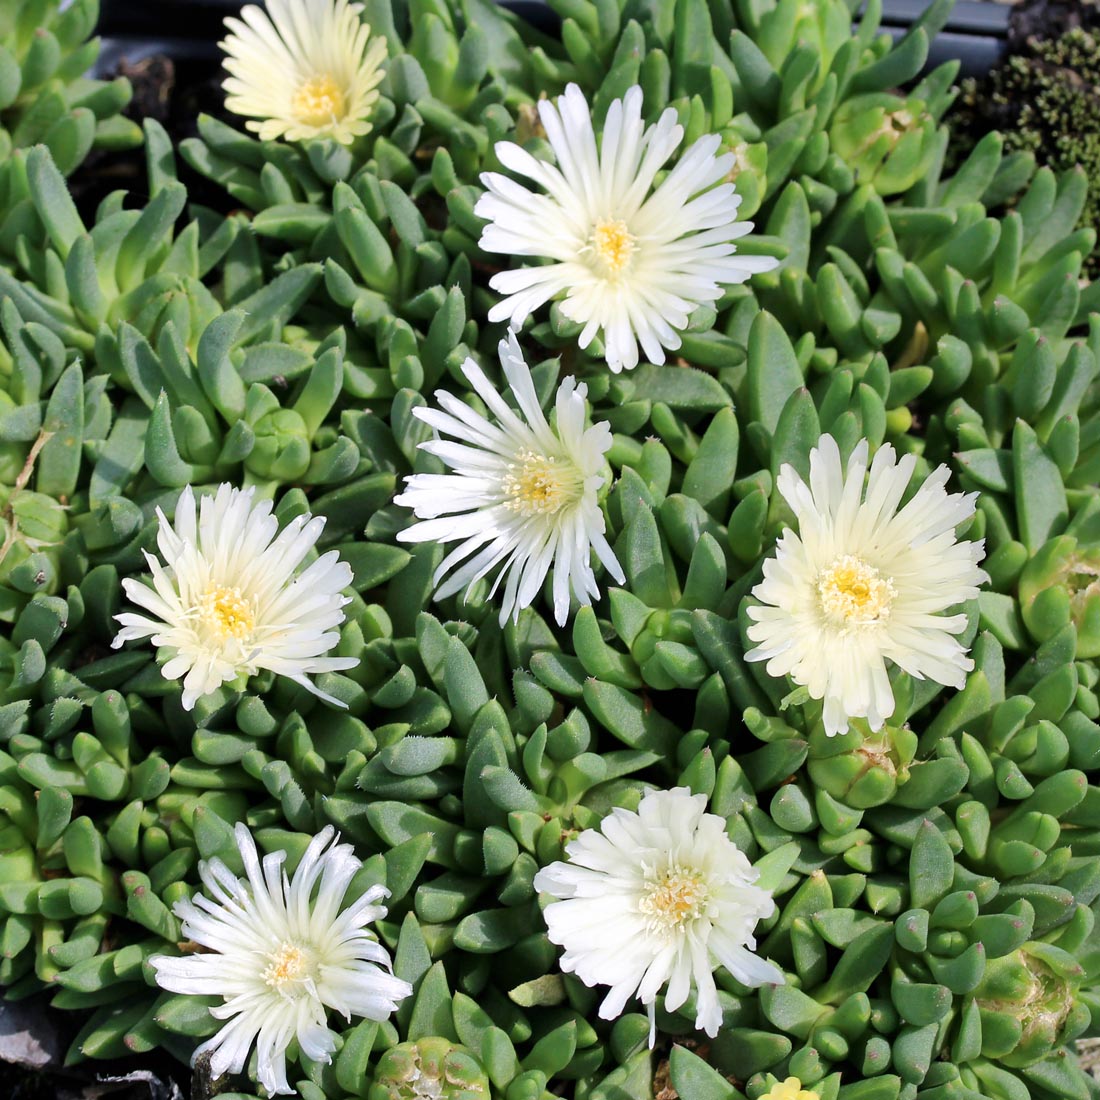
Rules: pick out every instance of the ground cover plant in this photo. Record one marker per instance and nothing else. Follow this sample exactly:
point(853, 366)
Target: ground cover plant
point(1043, 95)
point(483, 620)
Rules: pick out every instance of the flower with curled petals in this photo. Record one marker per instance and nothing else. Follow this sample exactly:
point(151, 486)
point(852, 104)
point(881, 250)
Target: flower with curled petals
point(521, 499)
point(280, 952)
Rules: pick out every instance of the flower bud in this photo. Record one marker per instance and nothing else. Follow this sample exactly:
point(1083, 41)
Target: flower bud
point(887, 140)
point(282, 446)
point(1027, 1002)
point(867, 770)
point(1060, 584)
point(749, 171)
point(429, 1069)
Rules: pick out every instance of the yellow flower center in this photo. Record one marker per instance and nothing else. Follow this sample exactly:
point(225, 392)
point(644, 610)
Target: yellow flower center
point(537, 485)
point(791, 1089)
point(676, 898)
point(854, 593)
point(227, 613)
point(287, 966)
point(613, 246)
point(318, 101)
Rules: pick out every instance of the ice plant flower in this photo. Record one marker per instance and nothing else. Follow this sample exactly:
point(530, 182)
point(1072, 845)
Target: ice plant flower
point(280, 952)
point(864, 582)
point(790, 1089)
point(654, 897)
point(631, 259)
point(522, 497)
point(303, 69)
point(226, 601)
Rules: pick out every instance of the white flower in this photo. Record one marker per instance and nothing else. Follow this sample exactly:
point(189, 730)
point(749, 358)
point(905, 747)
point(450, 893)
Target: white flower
point(280, 956)
point(863, 583)
point(305, 69)
point(523, 494)
point(654, 897)
point(226, 602)
point(632, 260)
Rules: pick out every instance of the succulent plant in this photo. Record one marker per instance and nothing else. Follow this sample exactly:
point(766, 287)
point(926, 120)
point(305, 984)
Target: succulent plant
point(935, 880)
point(46, 48)
point(1043, 99)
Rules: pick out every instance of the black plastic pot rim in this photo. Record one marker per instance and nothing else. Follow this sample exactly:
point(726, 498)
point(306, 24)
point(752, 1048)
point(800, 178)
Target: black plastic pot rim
point(975, 33)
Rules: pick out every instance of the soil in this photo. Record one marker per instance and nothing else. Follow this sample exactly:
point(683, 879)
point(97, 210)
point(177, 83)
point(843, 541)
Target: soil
point(173, 91)
point(1050, 19)
point(98, 1081)
point(21, 1084)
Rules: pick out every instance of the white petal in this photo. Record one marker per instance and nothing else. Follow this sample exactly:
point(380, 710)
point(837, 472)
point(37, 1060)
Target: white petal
point(323, 44)
point(521, 500)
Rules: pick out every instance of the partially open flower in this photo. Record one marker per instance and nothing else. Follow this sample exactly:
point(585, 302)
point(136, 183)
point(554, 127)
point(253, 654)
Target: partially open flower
point(227, 599)
point(280, 952)
point(304, 69)
point(654, 897)
point(864, 582)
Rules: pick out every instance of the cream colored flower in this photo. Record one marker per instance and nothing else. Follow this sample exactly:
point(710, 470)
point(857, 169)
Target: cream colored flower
point(631, 258)
point(790, 1089)
point(280, 952)
point(303, 69)
point(864, 582)
point(654, 898)
point(228, 599)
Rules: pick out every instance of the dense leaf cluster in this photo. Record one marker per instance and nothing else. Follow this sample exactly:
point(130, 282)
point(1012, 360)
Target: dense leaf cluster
point(936, 882)
point(46, 49)
point(1045, 99)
